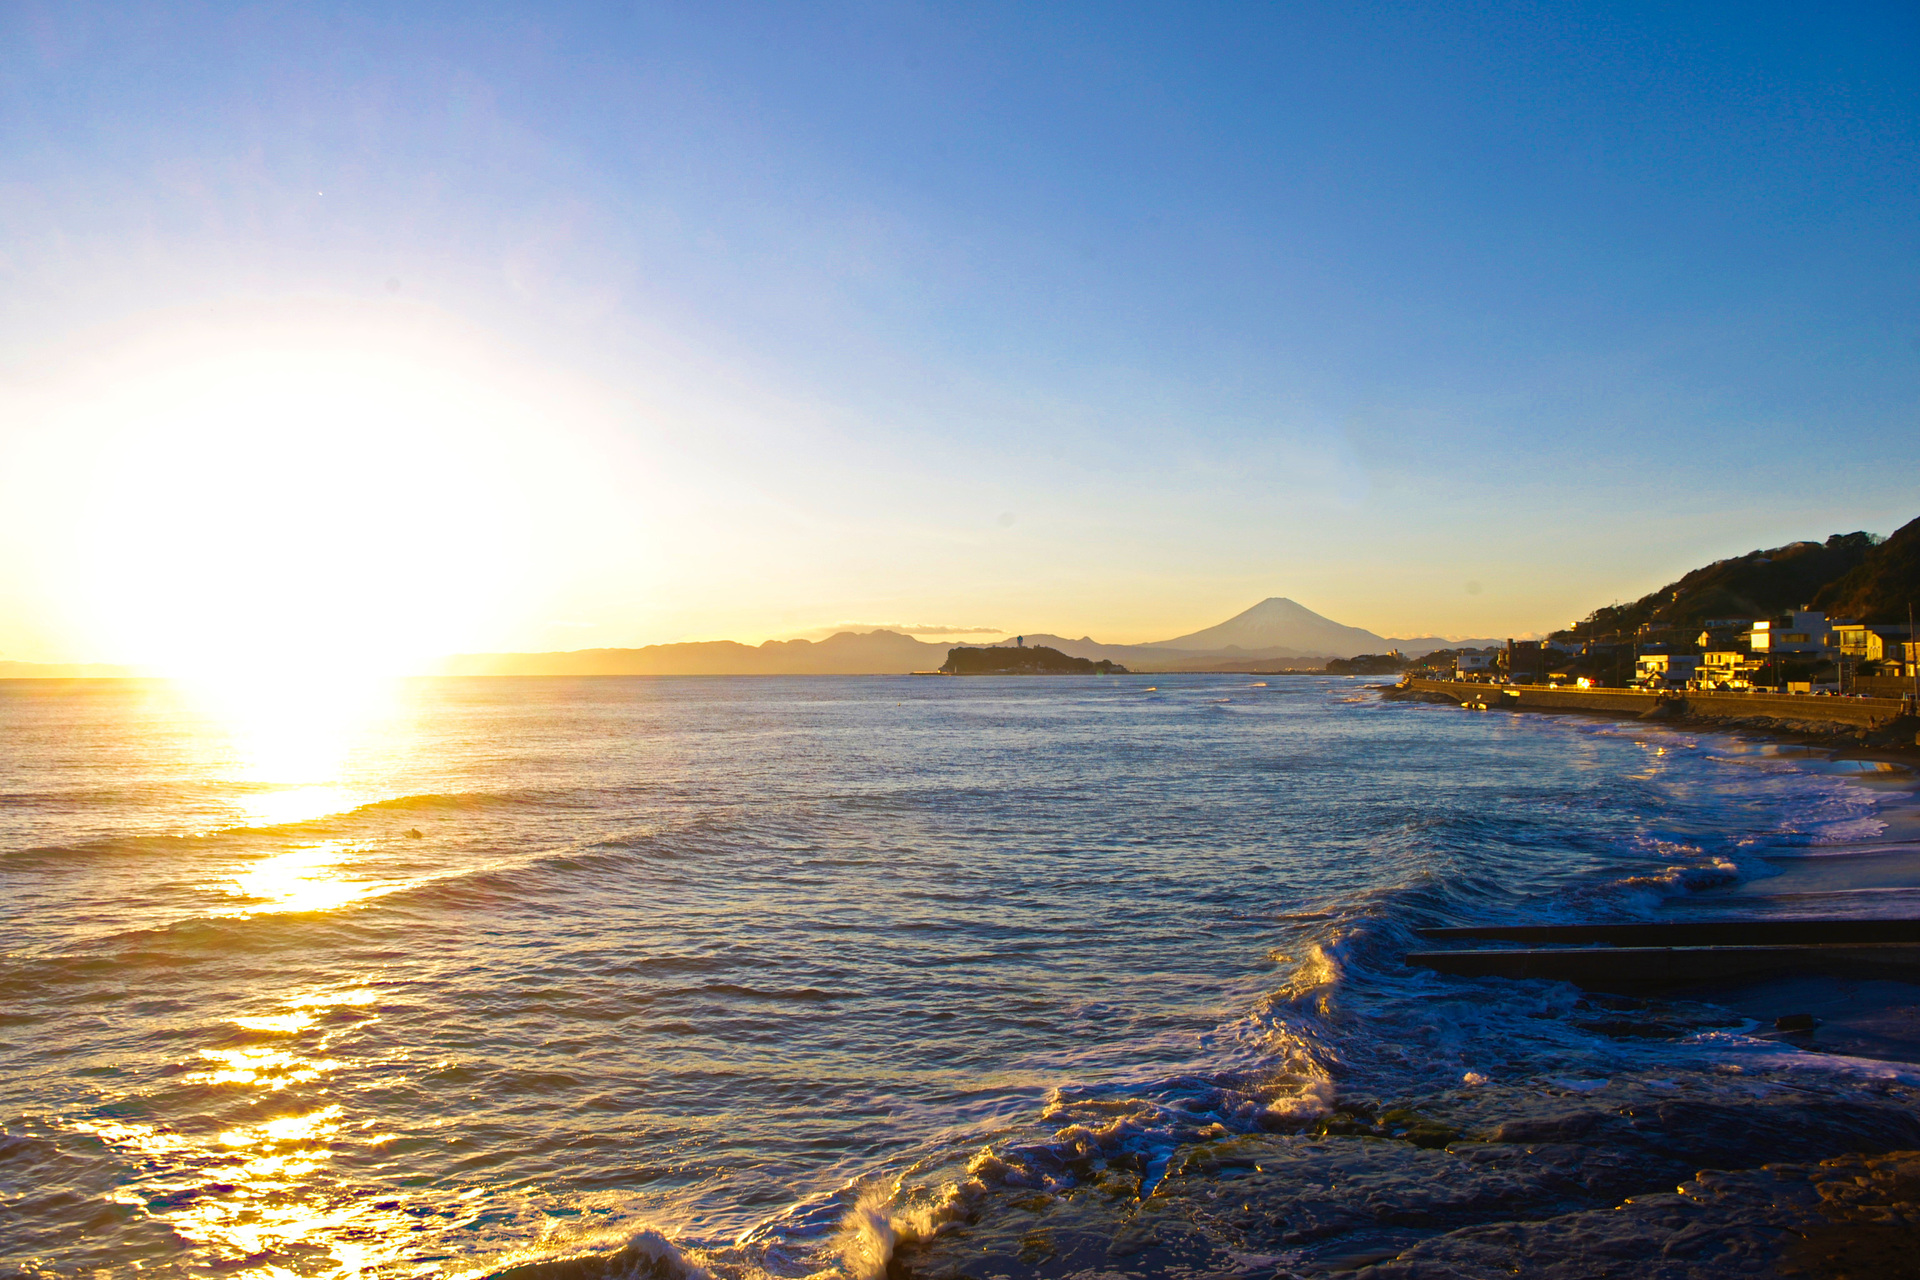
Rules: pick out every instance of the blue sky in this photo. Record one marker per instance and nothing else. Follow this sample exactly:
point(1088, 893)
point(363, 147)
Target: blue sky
point(1107, 319)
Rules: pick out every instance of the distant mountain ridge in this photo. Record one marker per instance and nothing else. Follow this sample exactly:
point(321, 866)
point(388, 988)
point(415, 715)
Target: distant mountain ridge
point(1274, 633)
point(69, 671)
point(847, 653)
point(1278, 623)
point(1275, 630)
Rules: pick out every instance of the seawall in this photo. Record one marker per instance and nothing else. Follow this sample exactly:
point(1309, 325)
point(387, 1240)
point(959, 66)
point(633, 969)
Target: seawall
point(1802, 711)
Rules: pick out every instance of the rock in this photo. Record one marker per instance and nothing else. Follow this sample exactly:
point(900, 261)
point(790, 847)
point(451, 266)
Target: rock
point(1566, 1128)
point(1849, 1217)
point(1795, 1022)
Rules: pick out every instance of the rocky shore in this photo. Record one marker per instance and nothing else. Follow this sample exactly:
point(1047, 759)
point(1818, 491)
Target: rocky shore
point(1849, 726)
point(1669, 1178)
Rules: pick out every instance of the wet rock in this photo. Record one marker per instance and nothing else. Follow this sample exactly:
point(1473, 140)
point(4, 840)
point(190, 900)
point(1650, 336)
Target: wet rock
point(1709, 1135)
point(1795, 1022)
point(1561, 1193)
point(1316, 1204)
point(1360, 1120)
point(1855, 1216)
point(1566, 1128)
point(1629, 1029)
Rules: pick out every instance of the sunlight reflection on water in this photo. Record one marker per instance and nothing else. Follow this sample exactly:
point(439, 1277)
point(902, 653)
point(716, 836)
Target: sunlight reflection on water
point(297, 804)
point(260, 1187)
point(307, 879)
point(676, 954)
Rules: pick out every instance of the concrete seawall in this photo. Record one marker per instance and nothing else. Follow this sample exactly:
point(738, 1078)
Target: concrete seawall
point(1816, 713)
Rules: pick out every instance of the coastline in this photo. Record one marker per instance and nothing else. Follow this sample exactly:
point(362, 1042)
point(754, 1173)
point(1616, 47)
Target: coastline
point(1768, 1152)
point(1877, 878)
point(1320, 1106)
point(1863, 728)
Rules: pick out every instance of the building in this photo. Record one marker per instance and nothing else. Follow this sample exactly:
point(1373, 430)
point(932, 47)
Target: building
point(1665, 670)
point(1726, 669)
point(1804, 631)
point(1470, 665)
point(1526, 662)
point(1723, 633)
point(1864, 643)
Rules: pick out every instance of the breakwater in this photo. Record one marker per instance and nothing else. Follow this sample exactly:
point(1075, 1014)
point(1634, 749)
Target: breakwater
point(1795, 711)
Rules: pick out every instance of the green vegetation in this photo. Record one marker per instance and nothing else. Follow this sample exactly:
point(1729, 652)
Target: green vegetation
point(1882, 586)
point(1760, 584)
point(1037, 661)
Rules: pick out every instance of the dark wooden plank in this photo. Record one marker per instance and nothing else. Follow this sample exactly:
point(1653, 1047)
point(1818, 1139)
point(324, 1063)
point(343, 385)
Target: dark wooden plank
point(1689, 933)
point(1605, 968)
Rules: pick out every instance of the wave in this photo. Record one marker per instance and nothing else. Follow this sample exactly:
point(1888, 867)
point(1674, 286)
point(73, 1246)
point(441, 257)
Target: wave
point(875, 1228)
point(1332, 1045)
point(645, 1255)
point(120, 846)
point(1274, 1076)
point(243, 926)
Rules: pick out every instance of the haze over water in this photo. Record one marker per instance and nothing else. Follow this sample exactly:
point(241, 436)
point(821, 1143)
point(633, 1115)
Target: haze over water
point(521, 966)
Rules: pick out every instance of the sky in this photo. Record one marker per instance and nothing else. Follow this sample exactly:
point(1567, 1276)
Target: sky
point(400, 330)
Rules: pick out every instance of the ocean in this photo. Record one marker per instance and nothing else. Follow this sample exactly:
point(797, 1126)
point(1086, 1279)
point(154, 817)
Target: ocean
point(1022, 976)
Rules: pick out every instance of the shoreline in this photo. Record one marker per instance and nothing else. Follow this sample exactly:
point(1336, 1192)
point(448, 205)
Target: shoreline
point(1865, 1018)
point(1851, 729)
point(1759, 1150)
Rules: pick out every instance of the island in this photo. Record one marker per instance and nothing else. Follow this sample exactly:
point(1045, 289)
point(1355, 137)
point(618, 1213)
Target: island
point(1022, 661)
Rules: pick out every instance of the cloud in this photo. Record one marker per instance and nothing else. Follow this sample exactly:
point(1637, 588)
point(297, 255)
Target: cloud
point(949, 631)
point(910, 629)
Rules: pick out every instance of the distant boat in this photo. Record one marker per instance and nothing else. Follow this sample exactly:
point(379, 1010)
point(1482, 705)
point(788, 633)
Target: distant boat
point(1258, 684)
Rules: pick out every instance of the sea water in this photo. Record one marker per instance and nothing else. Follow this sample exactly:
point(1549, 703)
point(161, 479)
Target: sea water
point(777, 975)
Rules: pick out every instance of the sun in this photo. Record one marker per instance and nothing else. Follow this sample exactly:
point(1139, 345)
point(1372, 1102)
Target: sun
point(306, 507)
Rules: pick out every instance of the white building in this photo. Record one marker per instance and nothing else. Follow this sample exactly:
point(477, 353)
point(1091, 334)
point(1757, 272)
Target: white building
point(1469, 664)
point(1804, 631)
point(1665, 670)
point(1865, 643)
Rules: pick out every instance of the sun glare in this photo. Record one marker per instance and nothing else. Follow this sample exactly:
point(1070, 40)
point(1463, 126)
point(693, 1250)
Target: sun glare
point(311, 507)
point(302, 745)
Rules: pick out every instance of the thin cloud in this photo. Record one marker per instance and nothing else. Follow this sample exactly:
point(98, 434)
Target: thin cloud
point(910, 629)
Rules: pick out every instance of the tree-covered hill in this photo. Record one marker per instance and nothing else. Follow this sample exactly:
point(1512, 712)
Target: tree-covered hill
point(1883, 585)
point(1759, 584)
point(1036, 661)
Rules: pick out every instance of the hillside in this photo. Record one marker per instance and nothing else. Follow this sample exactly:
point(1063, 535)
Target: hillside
point(1883, 586)
point(1759, 584)
point(1037, 661)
